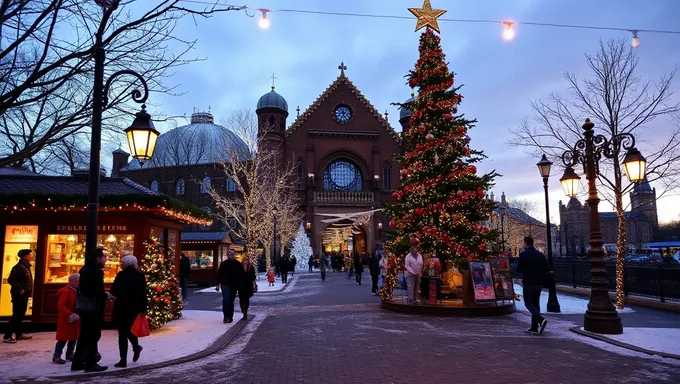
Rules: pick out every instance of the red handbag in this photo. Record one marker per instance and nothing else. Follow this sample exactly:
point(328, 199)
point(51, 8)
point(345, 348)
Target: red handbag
point(140, 327)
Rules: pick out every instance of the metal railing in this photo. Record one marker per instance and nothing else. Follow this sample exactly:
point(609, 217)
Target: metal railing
point(338, 197)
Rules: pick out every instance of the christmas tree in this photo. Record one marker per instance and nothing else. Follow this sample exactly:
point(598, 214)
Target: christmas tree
point(162, 287)
point(302, 249)
point(441, 202)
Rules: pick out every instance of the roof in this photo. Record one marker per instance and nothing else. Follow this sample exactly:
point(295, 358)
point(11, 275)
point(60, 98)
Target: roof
point(520, 216)
point(272, 100)
point(405, 112)
point(15, 171)
point(68, 185)
point(642, 187)
point(663, 244)
point(40, 192)
point(201, 142)
point(628, 215)
point(205, 236)
point(342, 80)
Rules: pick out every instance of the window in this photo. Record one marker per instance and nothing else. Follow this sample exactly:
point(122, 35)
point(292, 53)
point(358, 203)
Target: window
point(154, 186)
point(342, 175)
point(179, 187)
point(205, 184)
point(231, 185)
point(200, 259)
point(300, 177)
point(66, 255)
point(342, 114)
point(386, 178)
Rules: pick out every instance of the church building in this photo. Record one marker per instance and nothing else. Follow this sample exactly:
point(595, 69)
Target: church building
point(342, 147)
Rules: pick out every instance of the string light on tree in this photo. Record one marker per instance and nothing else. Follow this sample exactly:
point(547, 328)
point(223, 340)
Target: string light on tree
point(508, 32)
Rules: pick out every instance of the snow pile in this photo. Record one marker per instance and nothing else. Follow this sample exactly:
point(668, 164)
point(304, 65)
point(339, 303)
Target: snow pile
point(569, 305)
point(193, 332)
point(654, 339)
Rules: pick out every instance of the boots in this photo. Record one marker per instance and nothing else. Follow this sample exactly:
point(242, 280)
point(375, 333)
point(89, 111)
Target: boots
point(137, 351)
point(122, 363)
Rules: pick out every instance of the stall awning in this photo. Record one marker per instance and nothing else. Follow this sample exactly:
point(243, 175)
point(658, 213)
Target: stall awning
point(206, 237)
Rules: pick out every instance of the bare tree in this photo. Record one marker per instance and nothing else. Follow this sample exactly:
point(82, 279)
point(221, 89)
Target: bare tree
point(618, 101)
point(260, 184)
point(46, 64)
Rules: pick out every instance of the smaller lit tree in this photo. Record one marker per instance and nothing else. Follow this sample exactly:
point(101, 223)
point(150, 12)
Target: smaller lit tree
point(302, 249)
point(162, 287)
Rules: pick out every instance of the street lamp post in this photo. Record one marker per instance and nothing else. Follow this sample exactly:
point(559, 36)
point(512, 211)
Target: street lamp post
point(601, 315)
point(141, 134)
point(553, 304)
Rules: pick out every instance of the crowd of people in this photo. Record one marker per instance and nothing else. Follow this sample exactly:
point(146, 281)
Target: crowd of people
point(81, 305)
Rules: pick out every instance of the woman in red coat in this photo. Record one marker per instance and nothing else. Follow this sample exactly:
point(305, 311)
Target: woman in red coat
point(68, 324)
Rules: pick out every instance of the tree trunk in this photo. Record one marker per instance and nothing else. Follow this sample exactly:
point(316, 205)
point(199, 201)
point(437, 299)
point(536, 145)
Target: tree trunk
point(620, 238)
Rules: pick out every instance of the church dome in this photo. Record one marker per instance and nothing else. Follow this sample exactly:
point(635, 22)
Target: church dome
point(272, 100)
point(201, 142)
point(405, 112)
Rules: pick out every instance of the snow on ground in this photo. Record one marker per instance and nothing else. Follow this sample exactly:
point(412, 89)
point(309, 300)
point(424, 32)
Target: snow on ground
point(193, 332)
point(262, 285)
point(654, 339)
point(569, 305)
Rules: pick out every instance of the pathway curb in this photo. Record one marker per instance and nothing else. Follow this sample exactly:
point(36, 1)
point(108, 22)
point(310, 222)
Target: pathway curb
point(217, 345)
point(632, 347)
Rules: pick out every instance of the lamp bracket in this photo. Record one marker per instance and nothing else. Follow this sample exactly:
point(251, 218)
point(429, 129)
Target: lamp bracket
point(136, 95)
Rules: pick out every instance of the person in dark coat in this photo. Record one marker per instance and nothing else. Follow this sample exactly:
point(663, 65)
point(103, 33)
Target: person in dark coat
point(284, 267)
point(293, 265)
point(129, 290)
point(533, 266)
point(322, 267)
point(358, 268)
point(229, 277)
point(374, 269)
point(21, 289)
point(311, 263)
point(246, 288)
point(184, 269)
point(91, 289)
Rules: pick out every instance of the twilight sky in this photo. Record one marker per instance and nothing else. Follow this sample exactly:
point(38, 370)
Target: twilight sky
point(500, 77)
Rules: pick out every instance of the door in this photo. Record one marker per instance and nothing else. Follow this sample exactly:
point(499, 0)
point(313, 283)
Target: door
point(16, 239)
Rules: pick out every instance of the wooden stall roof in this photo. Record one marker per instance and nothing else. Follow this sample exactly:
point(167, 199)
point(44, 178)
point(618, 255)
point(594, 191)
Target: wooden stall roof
point(205, 237)
point(34, 192)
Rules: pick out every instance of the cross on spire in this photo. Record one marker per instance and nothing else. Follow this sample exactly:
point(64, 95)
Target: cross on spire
point(298, 110)
point(273, 81)
point(342, 67)
point(386, 114)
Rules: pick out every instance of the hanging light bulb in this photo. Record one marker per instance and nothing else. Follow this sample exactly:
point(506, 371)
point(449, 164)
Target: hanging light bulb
point(508, 33)
point(264, 22)
point(635, 42)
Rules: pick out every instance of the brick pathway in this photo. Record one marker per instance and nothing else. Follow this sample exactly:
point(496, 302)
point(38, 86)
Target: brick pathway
point(317, 335)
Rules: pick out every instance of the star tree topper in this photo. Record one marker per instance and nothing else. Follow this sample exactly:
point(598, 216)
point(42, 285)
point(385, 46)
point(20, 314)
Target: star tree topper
point(427, 17)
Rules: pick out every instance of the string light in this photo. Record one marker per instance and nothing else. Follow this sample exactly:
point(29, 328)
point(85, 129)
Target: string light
point(635, 42)
point(264, 22)
point(508, 33)
point(264, 11)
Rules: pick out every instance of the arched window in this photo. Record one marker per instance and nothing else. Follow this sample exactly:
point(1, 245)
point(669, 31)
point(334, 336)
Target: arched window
point(179, 187)
point(154, 186)
point(300, 177)
point(342, 175)
point(386, 178)
point(205, 184)
point(231, 185)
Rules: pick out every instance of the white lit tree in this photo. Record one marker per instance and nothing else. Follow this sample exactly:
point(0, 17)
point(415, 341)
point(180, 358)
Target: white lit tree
point(302, 249)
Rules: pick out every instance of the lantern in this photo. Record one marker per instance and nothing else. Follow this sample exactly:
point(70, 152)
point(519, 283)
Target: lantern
point(142, 136)
point(571, 182)
point(635, 165)
point(544, 166)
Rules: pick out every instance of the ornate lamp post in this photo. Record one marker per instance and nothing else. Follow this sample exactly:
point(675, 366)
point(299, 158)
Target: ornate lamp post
point(601, 316)
point(141, 134)
point(544, 169)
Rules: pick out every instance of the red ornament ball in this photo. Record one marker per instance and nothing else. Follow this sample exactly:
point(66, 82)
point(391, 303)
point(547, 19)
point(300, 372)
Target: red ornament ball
point(415, 241)
point(459, 193)
point(473, 169)
point(429, 136)
point(395, 195)
point(448, 116)
point(412, 82)
point(419, 211)
point(393, 224)
point(159, 289)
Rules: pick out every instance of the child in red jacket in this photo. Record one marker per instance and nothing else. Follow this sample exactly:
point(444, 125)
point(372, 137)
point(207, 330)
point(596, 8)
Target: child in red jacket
point(271, 277)
point(68, 323)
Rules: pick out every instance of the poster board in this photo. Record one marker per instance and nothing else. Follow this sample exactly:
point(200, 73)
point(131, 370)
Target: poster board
point(482, 281)
point(502, 278)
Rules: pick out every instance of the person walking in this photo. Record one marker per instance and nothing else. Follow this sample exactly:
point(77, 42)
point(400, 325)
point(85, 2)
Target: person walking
point(229, 277)
point(184, 269)
point(374, 269)
point(322, 267)
point(534, 267)
point(311, 263)
point(129, 290)
point(68, 322)
point(92, 291)
point(348, 266)
point(247, 286)
point(358, 268)
point(293, 265)
point(284, 266)
point(382, 265)
point(21, 289)
point(414, 267)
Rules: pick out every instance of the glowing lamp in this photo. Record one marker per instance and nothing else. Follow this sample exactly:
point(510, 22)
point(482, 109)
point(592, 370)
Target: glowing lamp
point(308, 225)
point(508, 32)
point(544, 166)
point(264, 22)
point(571, 182)
point(635, 165)
point(635, 42)
point(142, 136)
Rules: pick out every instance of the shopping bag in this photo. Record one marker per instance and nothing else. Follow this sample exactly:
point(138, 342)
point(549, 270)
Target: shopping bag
point(140, 327)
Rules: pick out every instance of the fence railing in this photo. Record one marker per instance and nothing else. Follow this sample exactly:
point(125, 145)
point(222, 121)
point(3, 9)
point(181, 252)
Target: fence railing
point(659, 282)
